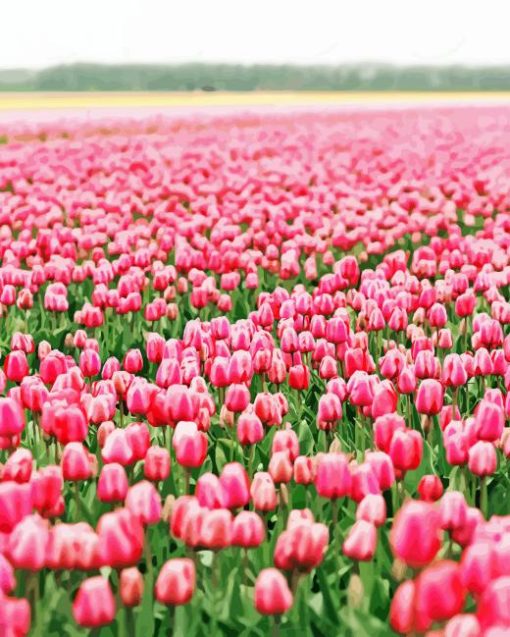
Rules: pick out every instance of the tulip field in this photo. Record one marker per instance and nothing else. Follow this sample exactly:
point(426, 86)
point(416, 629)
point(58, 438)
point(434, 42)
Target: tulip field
point(255, 374)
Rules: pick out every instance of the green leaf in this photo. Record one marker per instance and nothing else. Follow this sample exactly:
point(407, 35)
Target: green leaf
point(306, 439)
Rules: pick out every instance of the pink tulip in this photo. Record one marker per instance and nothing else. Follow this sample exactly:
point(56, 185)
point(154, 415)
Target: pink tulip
point(415, 534)
point(361, 541)
point(272, 593)
point(175, 584)
point(94, 604)
point(429, 397)
point(333, 478)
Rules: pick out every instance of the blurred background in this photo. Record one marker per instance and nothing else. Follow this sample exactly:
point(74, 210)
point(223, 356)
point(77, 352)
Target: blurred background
point(268, 45)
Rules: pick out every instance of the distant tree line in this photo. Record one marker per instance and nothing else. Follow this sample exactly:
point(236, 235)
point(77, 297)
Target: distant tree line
point(232, 77)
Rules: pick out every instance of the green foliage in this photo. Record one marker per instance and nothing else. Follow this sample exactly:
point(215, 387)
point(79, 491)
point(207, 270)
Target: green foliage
point(273, 77)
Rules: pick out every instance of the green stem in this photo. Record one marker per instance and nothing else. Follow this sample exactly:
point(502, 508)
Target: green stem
point(33, 593)
point(465, 484)
point(215, 578)
point(148, 554)
point(466, 330)
point(484, 500)
point(168, 435)
point(187, 475)
point(130, 622)
point(121, 611)
point(409, 414)
point(394, 499)
point(401, 491)
point(251, 458)
point(171, 620)
point(275, 629)
point(335, 544)
point(245, 567)
point(77, 499)
point(455, 400)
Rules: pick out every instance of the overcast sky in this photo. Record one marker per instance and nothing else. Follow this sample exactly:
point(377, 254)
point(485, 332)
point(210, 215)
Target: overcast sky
point(38, 33)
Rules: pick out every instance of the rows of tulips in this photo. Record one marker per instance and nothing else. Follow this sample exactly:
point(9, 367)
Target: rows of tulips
point(255, 376)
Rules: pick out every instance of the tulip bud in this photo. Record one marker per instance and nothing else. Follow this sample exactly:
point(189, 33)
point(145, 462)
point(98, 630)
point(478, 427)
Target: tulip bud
point(131, 587)
point(157, 464)
point(263, 492)
point(7, 579)
point(430, 488)
point(144, 502)
point(12, 420)
point(489, 420)
point(280, 467)
point(248, 530)
point(90, 363)
point(236, 485)
point(16, 366)
point(249, 429)
point(14, 616)
point(333, 478)
point(121, 538)
point(76, 462)
point(439, 593)
point(27, 544)
point(415, 534)
point(304, 470)
point(402, 618)
point(482, 459)
point(429, 398)
point(94, 604)
point(237, 398)
point(175, 584)
point(462, 626)
point(372, 509)
point(112, 485)
point(272, 593)
point(406, 450)
point(453, 510)
point(190, 445)
point(18, 466)
point(133, 361)
point(361, 541)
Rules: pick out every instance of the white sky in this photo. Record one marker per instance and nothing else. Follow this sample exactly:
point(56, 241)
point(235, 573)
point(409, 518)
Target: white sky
point(38, 33)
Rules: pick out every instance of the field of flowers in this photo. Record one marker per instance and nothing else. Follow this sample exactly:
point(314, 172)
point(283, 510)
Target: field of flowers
point(254, 376)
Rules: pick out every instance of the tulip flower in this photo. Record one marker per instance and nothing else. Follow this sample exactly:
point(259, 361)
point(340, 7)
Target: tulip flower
point(430, 488)
point(15, 616)
point(263, 492)
point(94, 604)
point(235, 485)
point(247, 530)
point(361, 541)
point(120, 538)
point(415, 534)
point(439, 593)
point(16, 366)
point(131, 587)
point(272, 593)
point(429, 397)
point(333, 478)
point(157, 464)
point(190, 445)
point(175, 584)
point(302, 546)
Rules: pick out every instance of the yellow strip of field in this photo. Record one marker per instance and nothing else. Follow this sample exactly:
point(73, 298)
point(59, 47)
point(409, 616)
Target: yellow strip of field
point(39, 101)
